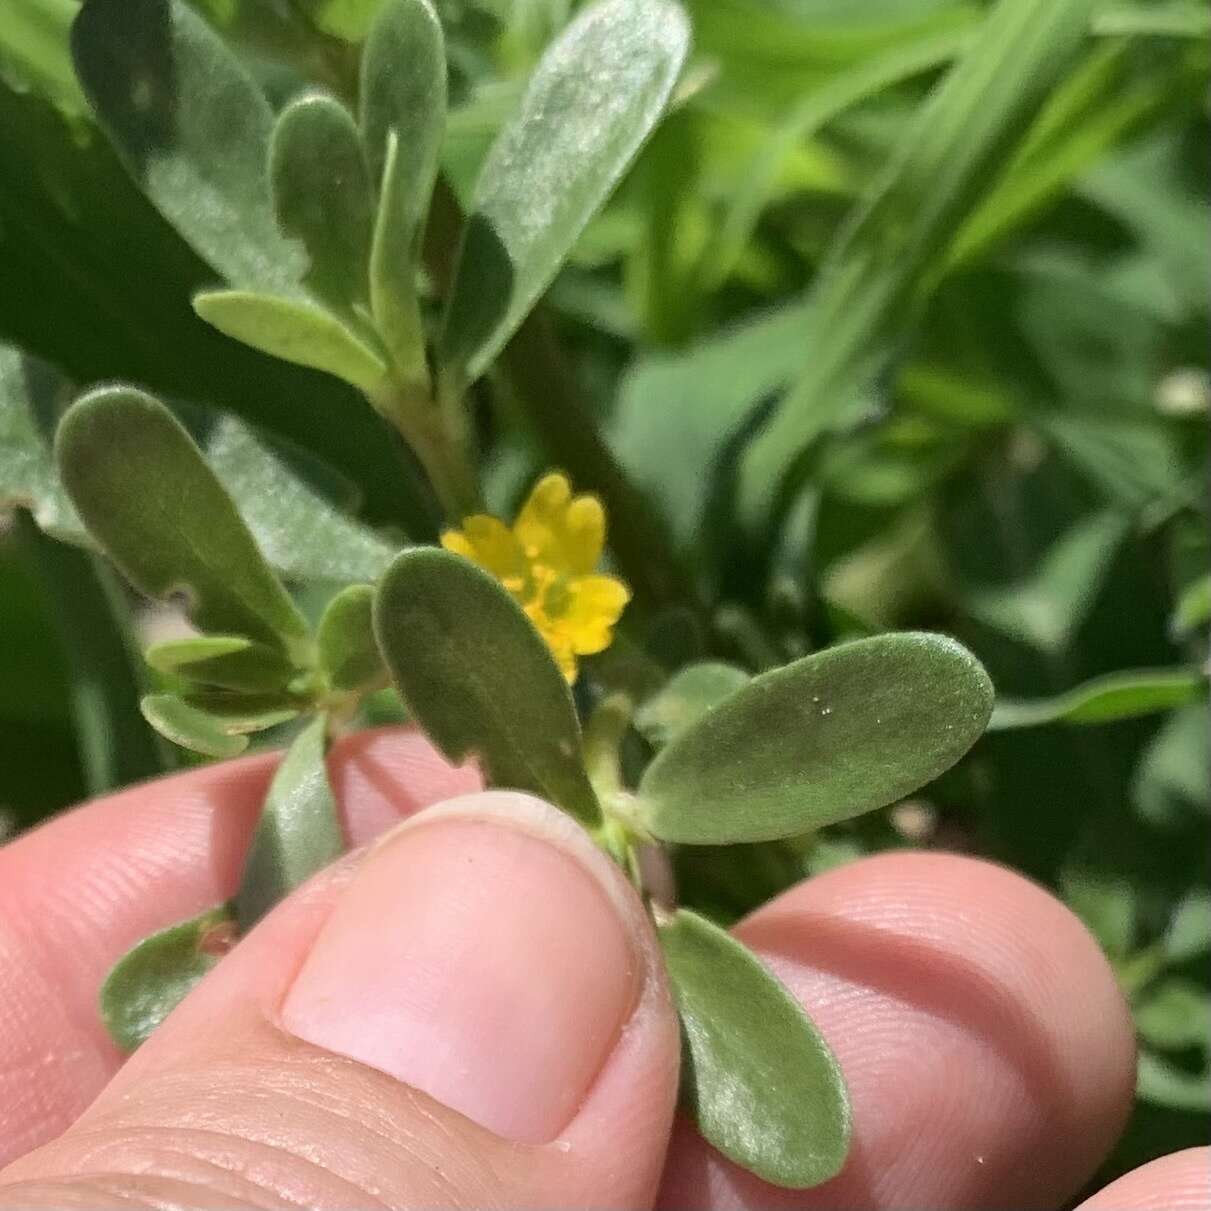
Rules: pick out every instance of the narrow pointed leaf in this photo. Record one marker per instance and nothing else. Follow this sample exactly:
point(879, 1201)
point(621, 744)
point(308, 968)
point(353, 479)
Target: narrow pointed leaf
point(1125, 695)
point(479, 679)
point(152, 978)
point(685, 698)
point(227, 661)
point(758, 1078)
point(349, 653)
point(298, 832)
point(403, 117)
point(155, 507)
point(831, 736)
point(594, 98)
point(296, 331)
point(192, 128)
point(322, 196)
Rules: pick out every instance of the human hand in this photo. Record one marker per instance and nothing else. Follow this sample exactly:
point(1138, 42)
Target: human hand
point(471, 1013)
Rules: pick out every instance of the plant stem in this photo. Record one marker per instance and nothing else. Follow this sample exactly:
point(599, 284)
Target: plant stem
point(439, 436)
point(561, 419)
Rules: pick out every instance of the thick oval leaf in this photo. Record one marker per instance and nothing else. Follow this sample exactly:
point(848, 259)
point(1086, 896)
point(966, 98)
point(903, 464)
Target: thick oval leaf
point(479, 679)
point(685, 698)
point(758, 1078)
point(1124, 695)
point(595, 96)
point(204, 725)
point(193, 130)
point(227, 661)
point(296, 331)
point(151, 979)
point(148, 498)
point(349, 653)
point(298, 832)
point(322, 195)
point(403, 119)
point(836, 734)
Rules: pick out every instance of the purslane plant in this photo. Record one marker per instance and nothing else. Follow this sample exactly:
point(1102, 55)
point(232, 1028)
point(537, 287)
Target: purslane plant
point(497, 640)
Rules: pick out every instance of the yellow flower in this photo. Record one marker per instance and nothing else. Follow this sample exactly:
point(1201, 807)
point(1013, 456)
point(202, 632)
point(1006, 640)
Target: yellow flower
point(547, 562)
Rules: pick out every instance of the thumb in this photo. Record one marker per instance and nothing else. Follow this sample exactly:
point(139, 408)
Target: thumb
point(470, 1014)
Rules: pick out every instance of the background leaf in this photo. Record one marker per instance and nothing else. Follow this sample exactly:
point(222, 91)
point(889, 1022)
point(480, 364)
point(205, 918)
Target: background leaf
point(298, 832)
point(907, 219)
point(759, 1080)
point(93, 622)
point(593, 99)
point(1105, 699)
point(480, 680)
point(192, 128)
point(825, 738)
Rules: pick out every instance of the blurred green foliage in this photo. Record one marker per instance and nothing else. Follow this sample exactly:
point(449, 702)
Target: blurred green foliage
point(867, 353)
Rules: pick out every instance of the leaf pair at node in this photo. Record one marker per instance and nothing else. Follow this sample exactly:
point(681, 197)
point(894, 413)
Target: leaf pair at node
point(824, 739)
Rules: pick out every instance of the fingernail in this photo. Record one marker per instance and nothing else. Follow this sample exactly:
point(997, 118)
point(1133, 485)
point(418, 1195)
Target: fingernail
point(481, 956)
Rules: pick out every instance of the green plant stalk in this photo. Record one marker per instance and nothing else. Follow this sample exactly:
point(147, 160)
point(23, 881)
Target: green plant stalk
point(438, 433)
point(556, 413)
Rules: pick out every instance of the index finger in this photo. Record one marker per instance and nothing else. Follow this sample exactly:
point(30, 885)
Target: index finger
point(78, 892)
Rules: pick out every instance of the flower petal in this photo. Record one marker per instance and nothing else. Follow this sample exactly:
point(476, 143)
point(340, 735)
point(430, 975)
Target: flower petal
point(595, 604)
point(584, 525)
point(488, 542)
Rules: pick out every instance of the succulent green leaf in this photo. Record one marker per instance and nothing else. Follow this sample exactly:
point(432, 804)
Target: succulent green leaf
point(479, 679)
point(152, 978)
point(298, 832)
point(1125, 695)
point(195, 724)
point(229, 662)
point(403, 118)
point(833, 735)
point(151, 502)
point(296, 331)
point(403, 89)
point(349, 654)
point(322, 196)
point(393, 269)
point(685, 698)
point(91, 613)
point(595, 96)
point(192, 128)
point(758, 1078)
